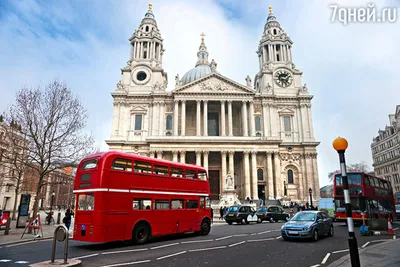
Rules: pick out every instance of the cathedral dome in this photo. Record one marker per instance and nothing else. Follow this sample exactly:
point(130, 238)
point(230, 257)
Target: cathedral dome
point(196, 73)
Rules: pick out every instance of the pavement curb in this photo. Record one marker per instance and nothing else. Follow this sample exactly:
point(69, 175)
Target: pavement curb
point(25, 241)
point(345, 258)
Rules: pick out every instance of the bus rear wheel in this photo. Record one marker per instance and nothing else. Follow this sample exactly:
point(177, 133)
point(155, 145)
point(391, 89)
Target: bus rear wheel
point(141, 234)
point(205, 227)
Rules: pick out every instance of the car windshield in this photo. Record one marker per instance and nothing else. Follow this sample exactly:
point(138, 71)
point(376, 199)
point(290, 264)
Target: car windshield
point(262, 209)
point(304, 216)
point(233, 209)
point(397, 207)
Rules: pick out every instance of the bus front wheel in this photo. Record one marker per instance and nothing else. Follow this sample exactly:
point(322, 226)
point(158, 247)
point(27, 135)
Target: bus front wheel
point(205, 227)
point(141, 234)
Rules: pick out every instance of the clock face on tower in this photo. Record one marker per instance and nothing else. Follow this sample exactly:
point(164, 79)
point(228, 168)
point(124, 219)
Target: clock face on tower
point(283, 78)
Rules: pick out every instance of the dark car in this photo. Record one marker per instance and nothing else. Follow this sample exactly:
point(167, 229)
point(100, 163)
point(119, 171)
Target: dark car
point(308, 224)
point(272, 214)
point(241, 214)
point(397, 212)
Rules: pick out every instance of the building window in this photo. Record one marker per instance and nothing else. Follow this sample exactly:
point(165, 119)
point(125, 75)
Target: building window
point(260, 175)
point(138, 122)
point(287, 124)
point(275, 31)
point(258, 123)
point(290, 177)
point(169, 122)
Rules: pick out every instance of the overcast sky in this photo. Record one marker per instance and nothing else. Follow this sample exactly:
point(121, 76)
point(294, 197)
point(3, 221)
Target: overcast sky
point(352, 70)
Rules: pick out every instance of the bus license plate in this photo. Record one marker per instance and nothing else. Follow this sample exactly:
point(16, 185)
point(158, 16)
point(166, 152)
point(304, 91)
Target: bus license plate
point(83, 227)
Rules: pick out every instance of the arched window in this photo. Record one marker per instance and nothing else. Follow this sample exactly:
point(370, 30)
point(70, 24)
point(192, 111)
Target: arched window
point(169, 122)
point(258, 123)
point(260, 175)
point(147, 28)
point(290, 177)
point(274, 31)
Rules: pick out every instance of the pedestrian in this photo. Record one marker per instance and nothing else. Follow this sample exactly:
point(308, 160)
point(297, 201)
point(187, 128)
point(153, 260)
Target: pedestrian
point(212, 215)
point(221, 213)
point(67, 218)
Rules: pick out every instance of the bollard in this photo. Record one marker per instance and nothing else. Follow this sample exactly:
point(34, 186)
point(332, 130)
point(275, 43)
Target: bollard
point(59, 218)
point(60, 234)
point(8, 224)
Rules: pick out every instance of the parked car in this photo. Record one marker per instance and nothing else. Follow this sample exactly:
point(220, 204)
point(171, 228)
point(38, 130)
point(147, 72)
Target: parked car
point(397, 212)
point(272, 214)
point(241, 214)
point(308, 224)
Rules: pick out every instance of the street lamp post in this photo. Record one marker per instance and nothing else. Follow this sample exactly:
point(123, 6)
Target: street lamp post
point(284, 188)
point(340, 145)
point(310, 192)
point(52, 199)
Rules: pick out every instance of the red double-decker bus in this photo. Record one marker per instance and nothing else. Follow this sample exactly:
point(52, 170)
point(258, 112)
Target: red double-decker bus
point(122, 196)
point(370, 195)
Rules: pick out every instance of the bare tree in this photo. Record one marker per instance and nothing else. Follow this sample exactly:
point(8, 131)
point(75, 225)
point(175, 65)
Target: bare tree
point(53, 121)
point(357, 167)
point(14, 159)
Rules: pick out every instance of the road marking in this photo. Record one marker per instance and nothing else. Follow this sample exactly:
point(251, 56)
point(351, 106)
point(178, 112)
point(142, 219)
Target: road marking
point(124, 251)
point(325, 258)
point(86, 256)
point(22, 262)
point(5, 260)
point(167, 245)
point(279, 237)
point(316, 265)
point(232, 245)
point(204, 249)
point(197, 241)
point(241, 235)
point(340, 251)
point(260, 233)
point(253, 234)
point(171, 255)
point(380, 240)
point(259, 240)
point(395, 229)
point(221, 238)
point(19, 244)
point(366, 244)
point(126, 263)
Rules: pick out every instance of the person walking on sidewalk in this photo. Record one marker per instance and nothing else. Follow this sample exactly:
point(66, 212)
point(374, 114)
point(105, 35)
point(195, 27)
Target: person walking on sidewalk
point(67, 219)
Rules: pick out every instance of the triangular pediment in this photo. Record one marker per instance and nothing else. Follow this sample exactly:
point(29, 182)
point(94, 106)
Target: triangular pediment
point(139, 109)
point(286, 111)
point(214, 83)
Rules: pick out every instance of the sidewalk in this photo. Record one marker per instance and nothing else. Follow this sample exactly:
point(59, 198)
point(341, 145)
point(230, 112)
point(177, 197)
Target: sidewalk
point(385, 254)
point(15, 234)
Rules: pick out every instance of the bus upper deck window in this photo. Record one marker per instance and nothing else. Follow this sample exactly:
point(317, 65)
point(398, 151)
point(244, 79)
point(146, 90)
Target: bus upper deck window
point(202, 175)
point(89, 164)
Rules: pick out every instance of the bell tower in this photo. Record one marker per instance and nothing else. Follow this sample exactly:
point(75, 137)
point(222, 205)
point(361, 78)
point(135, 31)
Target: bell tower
point(275, 57)
point(144, 70)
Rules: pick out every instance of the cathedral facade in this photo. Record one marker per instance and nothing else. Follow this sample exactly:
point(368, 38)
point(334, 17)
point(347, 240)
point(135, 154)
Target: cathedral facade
point(260, 135)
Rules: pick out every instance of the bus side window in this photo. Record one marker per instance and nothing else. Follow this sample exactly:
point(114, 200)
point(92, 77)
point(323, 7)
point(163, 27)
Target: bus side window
point(202, 199)
point(202, 175)
point(161, 170)
point(142, 167)
point(191, 174)
point(176, 172)
point(122, 164)
point(161, 204)
point(176, 204)
point(192, 204)
point(141, 204)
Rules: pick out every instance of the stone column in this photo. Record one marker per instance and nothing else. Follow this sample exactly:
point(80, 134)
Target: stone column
point(310, 124)
point(244, 118)
point(183, 118)
point(302, 183)
point(198, 118)
point(304, 121)
point(265, 119)
point(252, 122)
point(315, 176)
point(247, 192)
point(224, 172)
point(183, 156)
point(175, 155)
point(278, 185)
point(156, 112)
point(309, 176)
point(205, 160)
point(230, 126)
point(205, 120)
point(198, 158)
point(151, 154)
point(231, 167)
point(176, 116)
point(254, 184)
point(273, 121)
point(223, 118)
point(270, 176)
point(159, 154)
point(162, 113)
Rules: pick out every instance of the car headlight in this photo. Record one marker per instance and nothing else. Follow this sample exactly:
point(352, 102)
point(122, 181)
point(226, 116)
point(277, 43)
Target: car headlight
point(307, 228)
point(283, 227)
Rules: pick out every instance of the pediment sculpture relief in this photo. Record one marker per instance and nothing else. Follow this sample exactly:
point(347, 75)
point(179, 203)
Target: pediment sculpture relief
point(290, 157)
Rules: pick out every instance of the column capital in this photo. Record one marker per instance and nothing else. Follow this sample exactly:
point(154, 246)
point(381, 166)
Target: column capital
point(223, 153)
point(246, 153)
point(231, 153)
point(269, 153)
point(223, 101)
point(152, 151)
point(253, 152)
point(251, 102)
point(160, 152)
point(175, 152)
point(244, 101)
point(206, 152)
point(183, 101)
point(176, 101)
point(183, 152)
point(198, 101)
point(198, 152)
point(205, 101)
point(162, 103)
point(229, 101)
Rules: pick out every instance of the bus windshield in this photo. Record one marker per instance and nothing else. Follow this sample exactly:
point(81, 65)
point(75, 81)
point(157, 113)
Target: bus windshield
point(353, 178)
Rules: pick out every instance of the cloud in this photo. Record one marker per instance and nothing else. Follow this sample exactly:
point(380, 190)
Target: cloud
point(352, 70)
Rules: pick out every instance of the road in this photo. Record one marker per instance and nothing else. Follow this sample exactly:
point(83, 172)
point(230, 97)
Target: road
point(235, 245)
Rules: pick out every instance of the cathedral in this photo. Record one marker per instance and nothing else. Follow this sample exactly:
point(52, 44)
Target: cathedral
point(259, 134)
